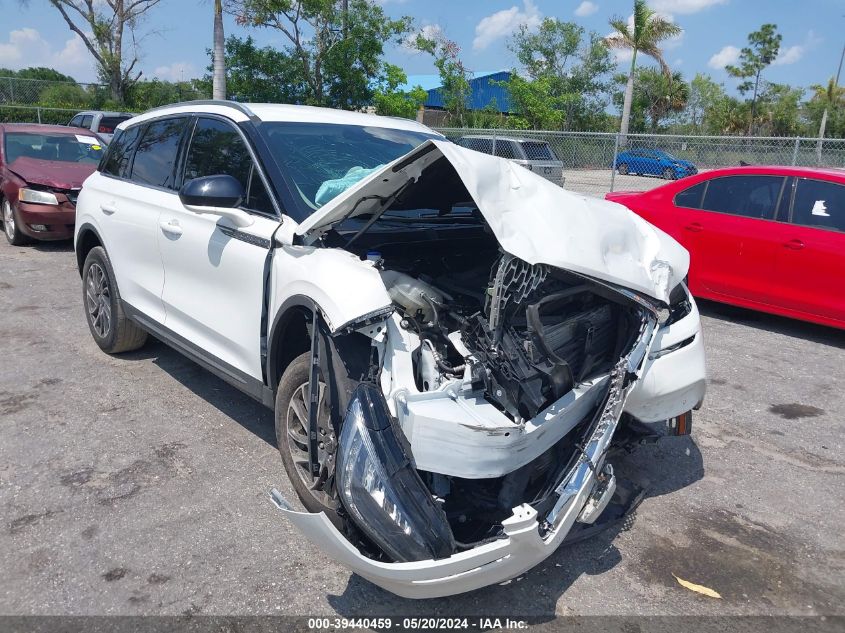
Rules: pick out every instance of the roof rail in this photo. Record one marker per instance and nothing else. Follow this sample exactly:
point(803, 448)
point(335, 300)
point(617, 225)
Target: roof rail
point(218, 102)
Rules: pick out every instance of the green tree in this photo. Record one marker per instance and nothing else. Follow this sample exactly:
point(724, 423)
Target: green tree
point(454, 76)
point(643, 36)
point(779, 110)
point(825, 110)
point(338, 47)
point(704, 93)
point(568, 72)
point(763, 48)
point(258, 74)
point(43, 74)
point(389, 100)
point(663, 96)
point(104, 28)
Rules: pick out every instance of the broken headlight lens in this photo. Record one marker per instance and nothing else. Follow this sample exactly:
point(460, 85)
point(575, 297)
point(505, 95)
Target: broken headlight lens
point(380, 487)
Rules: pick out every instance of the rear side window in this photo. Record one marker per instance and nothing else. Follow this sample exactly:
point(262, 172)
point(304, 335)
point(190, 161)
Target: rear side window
point(748, 196)
point(484, 145)
point(109, 123)
point(507, 149)
point(155, 157)
point(119, 155)
point(86, 122)
point(820, 204)
point(691, 197)
point(217, 148)
point(536, 150)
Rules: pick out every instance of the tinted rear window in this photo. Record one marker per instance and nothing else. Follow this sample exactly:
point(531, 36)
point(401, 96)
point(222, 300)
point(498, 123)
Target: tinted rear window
point(155, 157)
point(109, 123)
point(749, 196)
point(820, 204)
point(120, 152)
point(536, 150)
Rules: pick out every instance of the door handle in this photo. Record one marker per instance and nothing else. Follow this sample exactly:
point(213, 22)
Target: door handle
point(171, 228)
point(795, 245)
point(109, 208)
point(695, 227)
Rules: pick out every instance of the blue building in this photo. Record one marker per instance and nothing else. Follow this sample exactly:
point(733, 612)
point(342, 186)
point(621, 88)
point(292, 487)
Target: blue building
point(484, 91)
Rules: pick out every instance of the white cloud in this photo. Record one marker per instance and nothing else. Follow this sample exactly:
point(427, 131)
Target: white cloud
point(789, 55)
point(728, 55)
point(504, 23)
point(684, 6)
point(586, 8)
point(26, 47)
point(177, 71)
point(792, 54)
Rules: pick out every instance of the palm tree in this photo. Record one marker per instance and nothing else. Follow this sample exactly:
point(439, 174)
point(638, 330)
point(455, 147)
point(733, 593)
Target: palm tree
point(218, 90)
point(643, 35)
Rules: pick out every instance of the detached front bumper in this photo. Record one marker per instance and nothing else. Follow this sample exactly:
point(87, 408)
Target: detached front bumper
point(528, 540)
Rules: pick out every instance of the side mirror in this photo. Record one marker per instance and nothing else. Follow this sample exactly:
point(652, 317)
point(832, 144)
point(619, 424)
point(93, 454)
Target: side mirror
point(216, 195)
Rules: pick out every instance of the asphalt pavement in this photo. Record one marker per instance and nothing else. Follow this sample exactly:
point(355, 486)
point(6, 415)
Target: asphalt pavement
point(138, 484)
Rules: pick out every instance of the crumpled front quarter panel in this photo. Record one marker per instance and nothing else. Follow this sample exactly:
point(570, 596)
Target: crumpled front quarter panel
point(343, 286)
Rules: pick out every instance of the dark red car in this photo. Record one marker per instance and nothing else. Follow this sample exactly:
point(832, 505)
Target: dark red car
point(42, 168)
point(766, 238)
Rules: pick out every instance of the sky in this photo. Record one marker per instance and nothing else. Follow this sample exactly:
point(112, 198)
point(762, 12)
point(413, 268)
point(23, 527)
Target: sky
point(34, 34)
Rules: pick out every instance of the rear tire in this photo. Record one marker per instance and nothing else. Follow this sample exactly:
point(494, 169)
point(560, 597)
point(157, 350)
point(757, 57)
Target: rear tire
point(292, 436)
point(622, 168)
point(669, 174)
point(10, 225)
point(109, 325)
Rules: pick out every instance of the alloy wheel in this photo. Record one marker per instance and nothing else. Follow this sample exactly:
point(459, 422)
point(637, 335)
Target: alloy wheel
point(98, 300)
point(8, 220)
point(296, 424)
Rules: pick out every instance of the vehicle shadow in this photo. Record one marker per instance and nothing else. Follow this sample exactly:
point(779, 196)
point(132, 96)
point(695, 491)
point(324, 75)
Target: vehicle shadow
point(61, 246)
point(252, 415)
point(670, 465)
point(772, 323)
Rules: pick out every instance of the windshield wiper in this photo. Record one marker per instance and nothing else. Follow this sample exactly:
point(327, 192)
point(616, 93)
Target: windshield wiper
point(385, 205)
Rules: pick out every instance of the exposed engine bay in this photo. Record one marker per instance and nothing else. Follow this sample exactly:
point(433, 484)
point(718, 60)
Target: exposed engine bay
point(513, 339)
point(491, 337)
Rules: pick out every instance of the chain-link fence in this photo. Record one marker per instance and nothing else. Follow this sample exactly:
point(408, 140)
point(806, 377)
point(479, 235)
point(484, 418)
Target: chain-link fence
point(19, 91)
point(645, 160)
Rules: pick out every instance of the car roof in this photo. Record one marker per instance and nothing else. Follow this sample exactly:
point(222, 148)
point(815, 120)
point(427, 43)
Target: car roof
point(104, 113)
point(506, 138)
point(277, 112)
point(776, 170)
point(42, 128)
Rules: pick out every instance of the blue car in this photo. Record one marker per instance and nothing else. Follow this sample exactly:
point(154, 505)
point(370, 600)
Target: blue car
point(653, 162)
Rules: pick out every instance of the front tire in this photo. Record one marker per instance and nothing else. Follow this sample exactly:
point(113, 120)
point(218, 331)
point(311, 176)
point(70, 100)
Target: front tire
point(622, 168)
point(109, 325)
point(669, 174)
point(10, 226)
point(291, 412)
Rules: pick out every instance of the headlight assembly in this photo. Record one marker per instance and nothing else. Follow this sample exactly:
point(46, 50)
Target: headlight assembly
point(380, 487)
point(37, 197)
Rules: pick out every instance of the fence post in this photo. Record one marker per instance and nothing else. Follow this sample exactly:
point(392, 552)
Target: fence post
point(38, 110)
point(795, 151)
point(613, 162)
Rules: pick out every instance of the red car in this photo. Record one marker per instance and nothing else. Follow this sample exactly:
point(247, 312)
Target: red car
point(766, 238)
point(42, 168)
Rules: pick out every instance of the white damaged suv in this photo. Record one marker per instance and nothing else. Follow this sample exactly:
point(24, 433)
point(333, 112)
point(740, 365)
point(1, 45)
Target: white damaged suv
point(451, 343)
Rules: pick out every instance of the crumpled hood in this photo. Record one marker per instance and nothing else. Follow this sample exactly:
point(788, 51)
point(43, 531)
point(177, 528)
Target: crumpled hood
point(52, 173)
point(534, 219)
